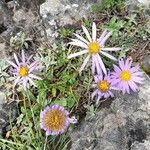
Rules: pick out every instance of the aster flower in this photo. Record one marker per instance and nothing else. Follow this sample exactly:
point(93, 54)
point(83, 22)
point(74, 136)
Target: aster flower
point(55, 120)
point(93, 47)
point(23, 70)
point(126, 77)
point(103, 86)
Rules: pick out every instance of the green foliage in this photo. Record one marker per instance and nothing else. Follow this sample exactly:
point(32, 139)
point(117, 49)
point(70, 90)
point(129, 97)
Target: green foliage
point(3, 70)
point(20, 41)
point(107, 5)
point(115, 25)
point(65, 32)
point(90, 113)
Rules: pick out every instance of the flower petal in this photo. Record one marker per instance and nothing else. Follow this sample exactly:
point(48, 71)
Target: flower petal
point(102, 64)
point(102, 42)
point(94, 93)
point(78, 43)
point(23, 57)
point(93, 65)
point(102, 35)
point(97, 63)
point(16, 59)
point(13, 64)
point(111, 48)
point(109, 56)
point(117, 69)
point(16, 81)
point(87, 33)
point(122, 64)
point(94, 31)
point(34, 76)
point(33, 64)
point(24, 81)
point(77, 54)
point(84, 63)
point(81, 38)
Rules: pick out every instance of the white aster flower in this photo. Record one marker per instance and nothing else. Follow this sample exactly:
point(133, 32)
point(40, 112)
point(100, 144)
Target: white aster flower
point(93, 47)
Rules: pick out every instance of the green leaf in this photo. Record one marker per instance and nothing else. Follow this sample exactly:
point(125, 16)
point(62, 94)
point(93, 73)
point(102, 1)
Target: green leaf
point(61, 102)
point(70, 102)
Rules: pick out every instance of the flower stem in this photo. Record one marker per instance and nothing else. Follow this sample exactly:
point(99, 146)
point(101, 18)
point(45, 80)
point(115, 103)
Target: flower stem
point(31, 107)
point(45, 142)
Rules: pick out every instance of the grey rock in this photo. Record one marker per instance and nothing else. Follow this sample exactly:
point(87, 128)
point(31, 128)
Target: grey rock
point(8, 113)
point(123, 126)
point(134, 4)
point(57, 13)
point(145, 64)
point(3, 51)
point(5, 21)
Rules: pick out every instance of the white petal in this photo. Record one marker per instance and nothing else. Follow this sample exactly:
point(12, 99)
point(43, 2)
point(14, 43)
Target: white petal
point(81, 38)
point(102, 64)
point(16, 59)
point(93, 65)
point(94, 31)
point(84, 63)
point(103, 35)
point(32, 68)
point(28, 60)
point(23, 57)
point(13, 64)
point(33, 64)
point(105, 38)
point(78, 43)
point(16, 81)
point(77, 54)
point(87, 33)
point(34, 76)
point(111, 49)
point(94, 94)
point(97, 63)
point(109, 56)
point(24, 83)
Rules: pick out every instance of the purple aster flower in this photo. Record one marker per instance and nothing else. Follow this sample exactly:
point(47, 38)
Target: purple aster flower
point(93, 47)
point(23, 70)
point(103, 86)
point(126, 77)
point(55, 120)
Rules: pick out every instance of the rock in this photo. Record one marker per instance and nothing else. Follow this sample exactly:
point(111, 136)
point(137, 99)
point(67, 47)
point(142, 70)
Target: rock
point(134, 4)
point(58, 13)
point(27, 18)
point(8, 113)
point(123, 126)
point(145, 64)
point(3, 51)
point(6, 22)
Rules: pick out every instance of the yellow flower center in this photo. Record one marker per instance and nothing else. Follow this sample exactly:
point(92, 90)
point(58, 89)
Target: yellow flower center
point(103, 86)
point(23, 71)
point(93, 47)
point(54, 120)
point(125, 75)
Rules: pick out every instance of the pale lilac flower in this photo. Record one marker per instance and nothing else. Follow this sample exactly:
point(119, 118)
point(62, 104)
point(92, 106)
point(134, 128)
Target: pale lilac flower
point(93, 47)
point(23, 70)
point(55, 120)
point(103, 86)
point(126, 77)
